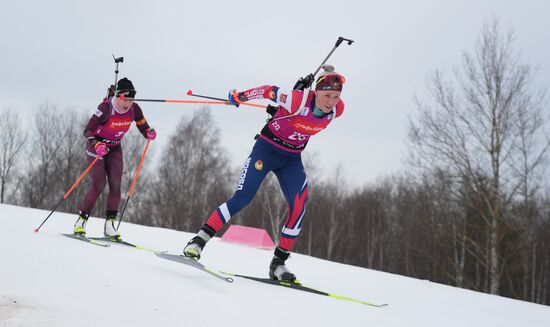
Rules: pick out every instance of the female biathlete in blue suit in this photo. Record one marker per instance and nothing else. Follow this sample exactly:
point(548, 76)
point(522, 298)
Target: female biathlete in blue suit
point(300, 114)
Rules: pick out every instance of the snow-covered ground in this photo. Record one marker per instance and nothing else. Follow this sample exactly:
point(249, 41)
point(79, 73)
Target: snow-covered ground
point(50, 280)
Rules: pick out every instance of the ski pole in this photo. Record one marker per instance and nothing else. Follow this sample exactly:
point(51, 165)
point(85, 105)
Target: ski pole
point(303, 81)
point(69, 191)
point(338, 42)
point(133, 182)
point(190, 93)
point(181, 101)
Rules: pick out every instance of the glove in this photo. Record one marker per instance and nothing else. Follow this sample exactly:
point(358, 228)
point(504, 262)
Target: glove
point(111, 91)
point(271, 110)
point(101, 149)
point(151, 134)
point(235, 98)
point(304, 82)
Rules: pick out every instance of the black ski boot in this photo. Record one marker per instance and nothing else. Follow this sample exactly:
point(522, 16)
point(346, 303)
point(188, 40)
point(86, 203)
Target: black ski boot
point(194, 247)
point(277, 267)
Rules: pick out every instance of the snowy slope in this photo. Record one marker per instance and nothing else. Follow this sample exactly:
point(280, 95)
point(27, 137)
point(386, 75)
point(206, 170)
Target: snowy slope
point(50, 280)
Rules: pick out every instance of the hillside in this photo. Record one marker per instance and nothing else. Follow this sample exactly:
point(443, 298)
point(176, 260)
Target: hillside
point(50, 280)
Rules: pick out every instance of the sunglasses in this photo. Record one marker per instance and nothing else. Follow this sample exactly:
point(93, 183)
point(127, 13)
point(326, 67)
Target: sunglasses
point(126, 94)
point(332, 81)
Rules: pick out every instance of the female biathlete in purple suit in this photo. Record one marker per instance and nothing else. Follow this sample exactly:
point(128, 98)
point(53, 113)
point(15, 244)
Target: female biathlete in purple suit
point(104, 132)
point(300, 115)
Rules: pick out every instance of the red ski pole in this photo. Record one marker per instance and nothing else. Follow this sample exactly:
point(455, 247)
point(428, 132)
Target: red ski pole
point(133, 182)
point(69, 192)
point(181, 101)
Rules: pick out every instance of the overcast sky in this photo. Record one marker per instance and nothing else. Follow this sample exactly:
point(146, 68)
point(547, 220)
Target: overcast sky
point(60, 52)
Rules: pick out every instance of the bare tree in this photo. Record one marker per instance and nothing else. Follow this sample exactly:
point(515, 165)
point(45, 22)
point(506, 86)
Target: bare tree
point(471, 132)
point(56, 157)
point(12, 141)
point(70, 156)
point(531, 148)
point(369, 208)
point(42, 187)
point(332, 197)
point(192, 175)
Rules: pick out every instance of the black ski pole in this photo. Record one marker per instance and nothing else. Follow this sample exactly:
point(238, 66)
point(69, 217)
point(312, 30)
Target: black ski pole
point(305, 82)
point(190, 93)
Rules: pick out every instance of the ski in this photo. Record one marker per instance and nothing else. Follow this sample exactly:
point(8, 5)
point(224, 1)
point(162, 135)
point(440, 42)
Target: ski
point(86, 239)
point(193, 263)
point(123, 242)
point(298, 286)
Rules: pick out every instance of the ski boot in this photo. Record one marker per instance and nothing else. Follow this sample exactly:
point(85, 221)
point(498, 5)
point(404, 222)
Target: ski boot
point(193, 249)
point(278, 269)
point(109, 230)
point(80, 224)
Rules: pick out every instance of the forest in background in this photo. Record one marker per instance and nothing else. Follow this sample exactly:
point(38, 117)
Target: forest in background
point(471, 208)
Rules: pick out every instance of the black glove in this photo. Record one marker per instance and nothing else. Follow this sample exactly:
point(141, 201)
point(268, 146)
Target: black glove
point(110, 92)
point(304, 82)
point(235, 98)
point(271, 110)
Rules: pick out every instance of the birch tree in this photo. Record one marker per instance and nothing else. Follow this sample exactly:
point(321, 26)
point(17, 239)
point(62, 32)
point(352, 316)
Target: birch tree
point(468, 128)
point(192, 176)
point(12, 141)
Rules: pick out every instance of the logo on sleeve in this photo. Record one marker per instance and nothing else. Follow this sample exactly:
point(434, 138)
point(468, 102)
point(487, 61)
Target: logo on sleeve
point(98, 113)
